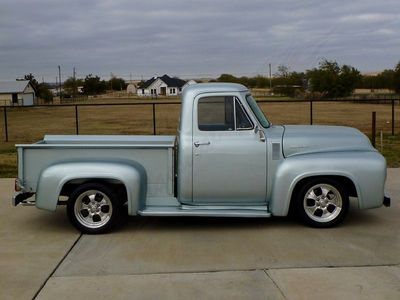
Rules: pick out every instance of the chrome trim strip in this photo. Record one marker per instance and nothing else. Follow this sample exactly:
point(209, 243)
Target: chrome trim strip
point(224, 207)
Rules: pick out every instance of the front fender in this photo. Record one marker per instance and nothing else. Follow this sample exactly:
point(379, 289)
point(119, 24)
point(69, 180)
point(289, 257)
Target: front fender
point(53, 178)
point(367, 171)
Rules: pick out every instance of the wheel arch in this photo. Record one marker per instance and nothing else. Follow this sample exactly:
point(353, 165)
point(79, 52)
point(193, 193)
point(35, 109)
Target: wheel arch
point(347, 184)
point(60, 179)
point(294, 171)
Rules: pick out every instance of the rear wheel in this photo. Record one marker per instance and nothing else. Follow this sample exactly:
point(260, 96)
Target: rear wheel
point(322, 203)
point(93, 208)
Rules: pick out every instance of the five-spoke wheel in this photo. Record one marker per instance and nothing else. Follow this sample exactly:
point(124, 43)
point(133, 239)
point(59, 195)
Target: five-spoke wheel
point(93, 208)
point(322, 202)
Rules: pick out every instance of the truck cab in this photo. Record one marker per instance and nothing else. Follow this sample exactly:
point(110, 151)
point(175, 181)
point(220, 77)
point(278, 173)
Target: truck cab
point(222, 157)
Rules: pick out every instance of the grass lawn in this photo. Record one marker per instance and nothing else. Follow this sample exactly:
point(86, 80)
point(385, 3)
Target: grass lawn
point(27, 125)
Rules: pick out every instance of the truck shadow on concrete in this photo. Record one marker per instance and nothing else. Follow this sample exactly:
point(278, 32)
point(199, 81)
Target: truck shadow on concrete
point(58, 222)
point(131, 223)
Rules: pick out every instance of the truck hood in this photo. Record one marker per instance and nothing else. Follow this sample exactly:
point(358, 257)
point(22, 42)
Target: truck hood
point(311, 139)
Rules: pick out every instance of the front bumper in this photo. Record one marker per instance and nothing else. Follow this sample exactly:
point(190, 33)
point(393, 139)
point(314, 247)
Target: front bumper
point(22, 198)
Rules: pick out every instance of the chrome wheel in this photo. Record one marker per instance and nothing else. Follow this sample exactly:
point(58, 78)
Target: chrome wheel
point(322, 203)
point(93, 209)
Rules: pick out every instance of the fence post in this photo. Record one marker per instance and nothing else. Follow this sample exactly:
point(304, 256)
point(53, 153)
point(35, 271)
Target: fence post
point(311, 111)
point(392, 116)
point(5, 122)
point(373, 128)
point(154, 119)
point(76, 120)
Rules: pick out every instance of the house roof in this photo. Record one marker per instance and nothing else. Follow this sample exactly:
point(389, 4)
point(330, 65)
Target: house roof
point(9, 87)
point(147, 83)
point(169, 81)
point(173, 82)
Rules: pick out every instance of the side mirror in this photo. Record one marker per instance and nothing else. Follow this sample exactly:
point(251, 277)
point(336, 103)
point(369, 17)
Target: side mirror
point(260, 133)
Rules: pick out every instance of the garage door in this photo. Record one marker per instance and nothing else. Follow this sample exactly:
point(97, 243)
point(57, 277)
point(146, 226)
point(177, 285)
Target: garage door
point(28, 99)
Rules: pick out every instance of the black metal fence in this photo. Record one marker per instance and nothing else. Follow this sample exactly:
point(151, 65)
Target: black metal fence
point(154, 106)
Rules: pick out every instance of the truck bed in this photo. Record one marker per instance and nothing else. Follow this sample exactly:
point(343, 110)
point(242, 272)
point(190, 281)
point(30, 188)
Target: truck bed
point(154, 153)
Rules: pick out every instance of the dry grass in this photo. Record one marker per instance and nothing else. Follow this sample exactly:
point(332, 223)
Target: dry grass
point(27, 125)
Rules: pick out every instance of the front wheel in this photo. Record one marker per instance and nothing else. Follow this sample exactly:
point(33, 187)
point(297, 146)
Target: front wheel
point(93, 208)
point(322, 203)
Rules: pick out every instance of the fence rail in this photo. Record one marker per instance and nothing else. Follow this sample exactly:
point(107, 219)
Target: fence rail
point(77, 107)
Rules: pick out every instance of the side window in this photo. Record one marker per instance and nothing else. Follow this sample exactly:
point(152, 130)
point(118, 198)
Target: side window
point(216, 113)
point(242, 120)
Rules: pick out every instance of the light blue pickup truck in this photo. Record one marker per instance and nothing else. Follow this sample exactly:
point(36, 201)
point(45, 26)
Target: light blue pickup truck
point(227, 160)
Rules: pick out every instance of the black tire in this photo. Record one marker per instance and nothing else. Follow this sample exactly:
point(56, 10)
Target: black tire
point(94, 208)
point(322, 203)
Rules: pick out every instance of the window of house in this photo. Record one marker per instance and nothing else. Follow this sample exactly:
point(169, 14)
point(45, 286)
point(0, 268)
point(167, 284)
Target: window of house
point(222, 113)
point(142, 91)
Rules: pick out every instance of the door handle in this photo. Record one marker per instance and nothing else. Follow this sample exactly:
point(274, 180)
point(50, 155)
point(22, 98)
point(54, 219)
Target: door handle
point(197, 144)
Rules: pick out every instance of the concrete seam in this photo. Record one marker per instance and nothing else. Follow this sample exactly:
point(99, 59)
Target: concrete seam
point(274, 282)
point(56, 267)
point(234, 270)
point(336, 267)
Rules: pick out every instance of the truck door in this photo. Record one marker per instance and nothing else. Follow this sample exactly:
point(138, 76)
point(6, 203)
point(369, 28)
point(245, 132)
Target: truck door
point(229, 160)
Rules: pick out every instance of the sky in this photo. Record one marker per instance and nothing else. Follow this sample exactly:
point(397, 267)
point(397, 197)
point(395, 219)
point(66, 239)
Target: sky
point(193, 39)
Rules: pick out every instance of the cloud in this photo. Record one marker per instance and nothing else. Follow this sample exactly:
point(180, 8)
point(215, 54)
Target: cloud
point(193, 37)
point(369, 18)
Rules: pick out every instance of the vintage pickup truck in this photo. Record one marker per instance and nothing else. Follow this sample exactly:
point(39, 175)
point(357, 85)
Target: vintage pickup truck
point(227, 160)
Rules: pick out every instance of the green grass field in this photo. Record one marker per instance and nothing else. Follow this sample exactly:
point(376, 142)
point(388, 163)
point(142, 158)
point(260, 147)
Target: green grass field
point(27, 125)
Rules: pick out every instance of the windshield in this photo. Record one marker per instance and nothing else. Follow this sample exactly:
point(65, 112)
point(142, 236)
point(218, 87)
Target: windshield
point(257, 111)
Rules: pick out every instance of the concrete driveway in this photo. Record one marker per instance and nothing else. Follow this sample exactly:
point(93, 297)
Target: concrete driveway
point(42, 256)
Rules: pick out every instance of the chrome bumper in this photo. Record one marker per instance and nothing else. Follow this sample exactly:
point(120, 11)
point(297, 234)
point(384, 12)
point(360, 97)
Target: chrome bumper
point(22, 198)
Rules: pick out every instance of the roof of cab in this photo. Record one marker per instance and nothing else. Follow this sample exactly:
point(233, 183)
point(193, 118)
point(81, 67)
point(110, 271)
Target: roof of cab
point(217, 87)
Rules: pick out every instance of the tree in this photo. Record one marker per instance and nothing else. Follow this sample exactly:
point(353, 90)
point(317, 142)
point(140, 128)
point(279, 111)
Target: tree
point(252, 82)
point(332, 80)
point(92, 85)
point(396, 78)
point(71, 86)
point(383, 80)
point(117, 84)
point(43, 92)
point(283, 71)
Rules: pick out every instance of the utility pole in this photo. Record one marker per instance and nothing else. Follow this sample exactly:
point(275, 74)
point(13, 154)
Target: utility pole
point(74, 91)
point(270, 78)
point(59, 80)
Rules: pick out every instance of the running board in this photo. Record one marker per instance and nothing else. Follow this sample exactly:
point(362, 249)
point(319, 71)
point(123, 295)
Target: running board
point(198, 212)
point(224, 207)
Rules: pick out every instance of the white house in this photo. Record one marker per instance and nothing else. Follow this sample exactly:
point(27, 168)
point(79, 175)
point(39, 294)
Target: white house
point(161, 86)
point(19, 92)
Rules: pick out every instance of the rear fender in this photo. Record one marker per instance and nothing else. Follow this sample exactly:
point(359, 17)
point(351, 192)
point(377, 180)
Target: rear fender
point(52, 180)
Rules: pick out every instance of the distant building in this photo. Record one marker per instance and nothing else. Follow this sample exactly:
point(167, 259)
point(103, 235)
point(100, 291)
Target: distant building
point(131, 88)
point(161, 86)
point(18, 93)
